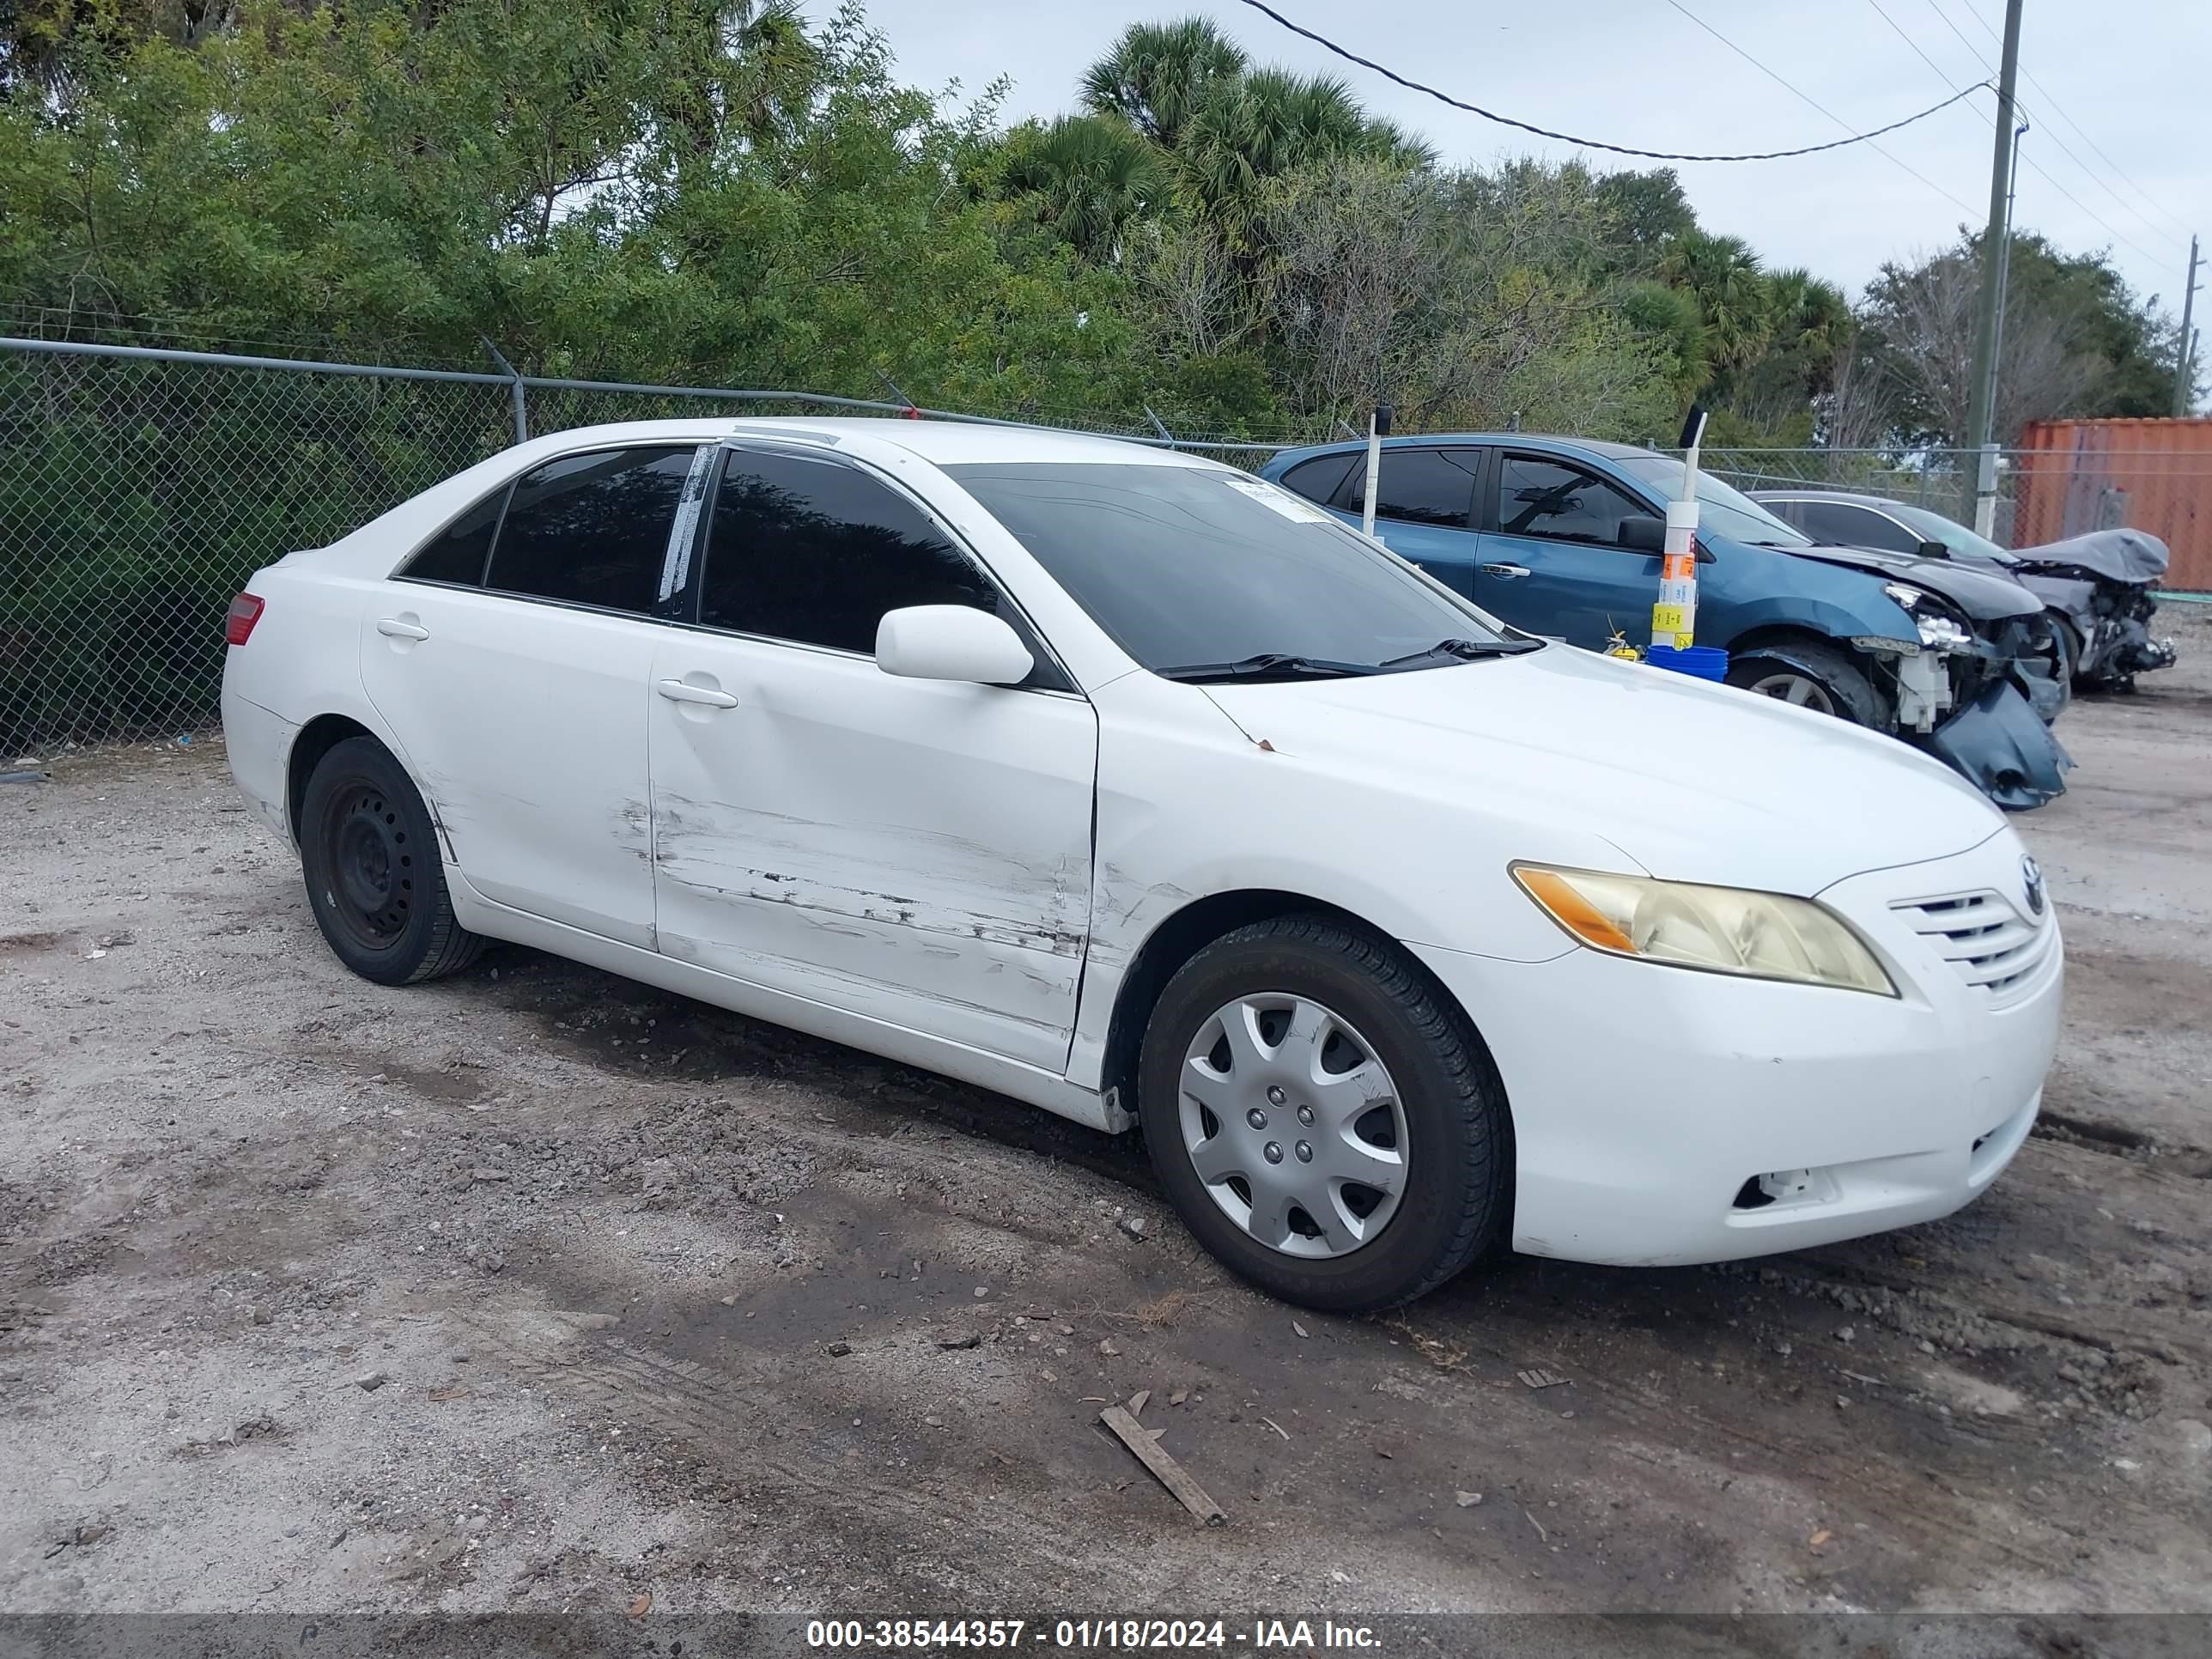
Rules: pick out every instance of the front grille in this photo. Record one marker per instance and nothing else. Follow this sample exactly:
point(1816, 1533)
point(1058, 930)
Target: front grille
point(1987, 941)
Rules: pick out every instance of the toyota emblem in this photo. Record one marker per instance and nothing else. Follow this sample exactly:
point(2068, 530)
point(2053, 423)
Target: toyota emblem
point(2031, 874)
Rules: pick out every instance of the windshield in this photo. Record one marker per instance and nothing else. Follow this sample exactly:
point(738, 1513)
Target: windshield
point(1186, 566)
point(1956, 536)
point(1722, 508)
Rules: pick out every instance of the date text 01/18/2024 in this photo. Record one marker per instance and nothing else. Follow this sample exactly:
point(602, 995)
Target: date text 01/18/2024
point(1085, 1634)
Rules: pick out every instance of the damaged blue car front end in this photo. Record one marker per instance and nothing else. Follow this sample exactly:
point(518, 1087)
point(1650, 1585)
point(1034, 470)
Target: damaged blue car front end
point(1988, 680)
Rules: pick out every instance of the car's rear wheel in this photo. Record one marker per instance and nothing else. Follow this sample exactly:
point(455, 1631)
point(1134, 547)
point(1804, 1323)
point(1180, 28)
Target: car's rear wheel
point(369, 853)
point(1809, 674)
point(1321, 1119)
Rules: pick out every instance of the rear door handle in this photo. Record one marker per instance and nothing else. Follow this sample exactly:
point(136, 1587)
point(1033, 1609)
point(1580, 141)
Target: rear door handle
point(392, 629)
point(1509, 571)
point(685, 691)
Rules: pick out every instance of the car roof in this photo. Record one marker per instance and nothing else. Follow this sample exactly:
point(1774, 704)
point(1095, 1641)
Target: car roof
point(1851, 497)
point(943, 443)
point(1604, 447)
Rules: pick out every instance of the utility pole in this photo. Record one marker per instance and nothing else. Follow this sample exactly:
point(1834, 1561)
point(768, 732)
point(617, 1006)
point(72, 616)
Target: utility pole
point(2185, 382)
point(2004, 268)
point(1981, 489)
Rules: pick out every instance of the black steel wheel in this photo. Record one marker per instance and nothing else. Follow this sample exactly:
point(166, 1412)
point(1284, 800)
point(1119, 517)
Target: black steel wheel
point(375, 881)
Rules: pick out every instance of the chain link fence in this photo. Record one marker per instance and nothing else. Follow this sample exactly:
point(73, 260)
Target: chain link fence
point(141, 487)
point(2044, 494)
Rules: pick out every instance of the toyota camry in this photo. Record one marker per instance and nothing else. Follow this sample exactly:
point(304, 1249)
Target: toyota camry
point(1152, 794)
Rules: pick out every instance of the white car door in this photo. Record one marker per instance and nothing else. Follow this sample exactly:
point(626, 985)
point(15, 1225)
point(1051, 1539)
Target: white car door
point(913, 851)
point(512, 658)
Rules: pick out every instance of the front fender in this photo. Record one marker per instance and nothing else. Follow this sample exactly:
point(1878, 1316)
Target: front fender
point(1851, 609)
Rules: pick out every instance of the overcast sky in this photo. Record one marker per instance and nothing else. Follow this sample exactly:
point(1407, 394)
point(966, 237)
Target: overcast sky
point(2131, 73)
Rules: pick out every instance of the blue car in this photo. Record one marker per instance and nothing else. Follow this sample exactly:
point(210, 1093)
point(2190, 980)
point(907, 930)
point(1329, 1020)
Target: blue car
point(1561, 536)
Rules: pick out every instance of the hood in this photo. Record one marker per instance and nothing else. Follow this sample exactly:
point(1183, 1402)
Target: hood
point(2118, 556)
point(1982, 594)
point(1693, 782)
point(2068, 595)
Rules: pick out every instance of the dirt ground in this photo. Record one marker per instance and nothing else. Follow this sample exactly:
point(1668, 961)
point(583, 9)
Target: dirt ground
point(538, 1289)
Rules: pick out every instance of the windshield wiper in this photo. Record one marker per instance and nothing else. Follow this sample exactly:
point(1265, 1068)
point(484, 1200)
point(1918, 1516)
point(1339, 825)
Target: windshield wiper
point(1266, 664)
point(1466, 651)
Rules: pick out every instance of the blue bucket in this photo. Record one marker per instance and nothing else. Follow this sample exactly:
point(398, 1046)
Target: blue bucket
point(1704, 662)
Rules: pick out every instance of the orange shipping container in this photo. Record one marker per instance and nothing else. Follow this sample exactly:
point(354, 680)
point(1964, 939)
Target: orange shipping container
point(2073, 476)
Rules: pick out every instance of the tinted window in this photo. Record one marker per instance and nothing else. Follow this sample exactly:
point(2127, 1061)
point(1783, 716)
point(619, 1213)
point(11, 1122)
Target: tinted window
point(592, 529)
point(1543, 498)
point(1186, 565)
point(817, 552)
point(1417, 486)
point(1722, 509)
point(1318, 480)
point(1841, 525)
point(458, 553)
point(1956, 536)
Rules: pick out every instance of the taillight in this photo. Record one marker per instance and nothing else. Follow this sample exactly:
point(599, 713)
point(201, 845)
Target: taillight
point(238, 622)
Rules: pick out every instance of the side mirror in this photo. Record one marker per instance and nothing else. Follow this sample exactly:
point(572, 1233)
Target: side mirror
point(950, 642)
point(1642, 533)
point(1933, 550)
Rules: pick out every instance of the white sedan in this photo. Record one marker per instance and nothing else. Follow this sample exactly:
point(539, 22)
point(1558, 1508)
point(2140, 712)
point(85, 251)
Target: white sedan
point(1129, 786)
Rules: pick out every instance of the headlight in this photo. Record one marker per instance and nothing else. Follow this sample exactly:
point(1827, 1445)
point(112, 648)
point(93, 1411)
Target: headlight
point(1724, 930)
point(1939, 630)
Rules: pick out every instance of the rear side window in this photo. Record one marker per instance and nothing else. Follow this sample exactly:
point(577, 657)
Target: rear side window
point(1417, 486)
point(1319, 480)
point(1841, 525)
point(816, 551)
point(459, 552)
point(592, 529)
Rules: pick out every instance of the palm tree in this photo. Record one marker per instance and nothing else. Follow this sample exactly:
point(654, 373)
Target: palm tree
point(1271, 122)
point(1811, 318)
point(1087, 176)
point(1158, 74)
point(1723, 274)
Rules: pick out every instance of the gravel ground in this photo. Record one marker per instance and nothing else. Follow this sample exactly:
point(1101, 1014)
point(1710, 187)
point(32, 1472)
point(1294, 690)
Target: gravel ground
point(537, 1290)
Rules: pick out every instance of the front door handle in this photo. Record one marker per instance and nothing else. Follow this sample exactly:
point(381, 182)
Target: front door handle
point(1511, 572)
point(685, 691)
point(392, 629)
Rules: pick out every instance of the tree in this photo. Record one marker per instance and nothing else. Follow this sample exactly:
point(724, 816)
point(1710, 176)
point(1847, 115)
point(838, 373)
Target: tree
point(1087, 178)
point(1157, 75)
point(1456, 295)
point(2076, 341)
point(1647, 210)
point(1722, 274)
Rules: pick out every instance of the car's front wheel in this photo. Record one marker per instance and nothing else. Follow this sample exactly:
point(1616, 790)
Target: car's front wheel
point(1810, 674)
point(1321, 1117)
point(375, 881)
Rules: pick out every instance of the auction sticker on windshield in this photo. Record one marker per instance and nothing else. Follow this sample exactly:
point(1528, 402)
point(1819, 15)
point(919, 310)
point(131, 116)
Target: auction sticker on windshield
point(1294, 508)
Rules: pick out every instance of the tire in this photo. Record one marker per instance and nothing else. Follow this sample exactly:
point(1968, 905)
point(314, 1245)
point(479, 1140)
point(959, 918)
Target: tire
point(1838, 685)
point(375, 881)
point(1436, 1102)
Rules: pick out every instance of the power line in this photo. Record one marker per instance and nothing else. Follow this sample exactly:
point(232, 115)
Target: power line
point(1973, 50)
point(1900, 34)
point(2029, 161)
point(2050, 102)
point(1410, 85)
point(1807, 98)
point(2154, 230)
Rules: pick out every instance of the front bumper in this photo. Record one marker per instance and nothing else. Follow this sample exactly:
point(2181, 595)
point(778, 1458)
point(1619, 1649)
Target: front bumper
point(1648, 1101)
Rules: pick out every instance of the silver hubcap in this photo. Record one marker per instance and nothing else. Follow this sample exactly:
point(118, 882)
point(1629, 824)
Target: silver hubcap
point(1293, 1125)
point(1796, 688)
